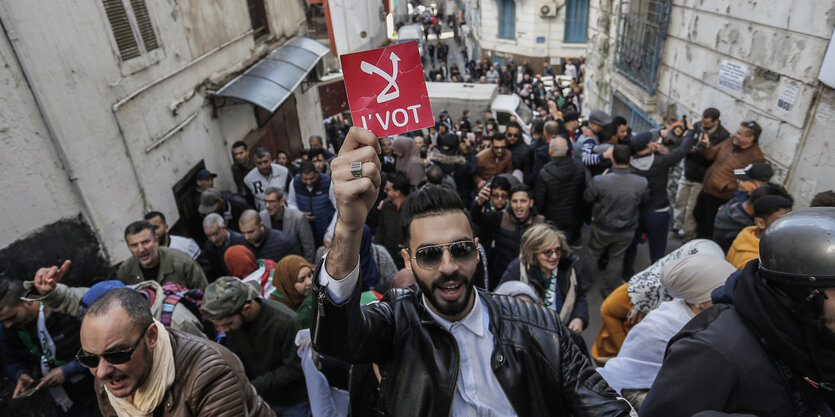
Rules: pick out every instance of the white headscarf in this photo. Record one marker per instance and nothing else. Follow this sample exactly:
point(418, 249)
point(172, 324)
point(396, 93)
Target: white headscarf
point(692, 278)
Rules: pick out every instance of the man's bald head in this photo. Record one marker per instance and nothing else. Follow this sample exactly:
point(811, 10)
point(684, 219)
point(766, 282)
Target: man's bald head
point(558, 146)
point(249, 216)
point(551, 129)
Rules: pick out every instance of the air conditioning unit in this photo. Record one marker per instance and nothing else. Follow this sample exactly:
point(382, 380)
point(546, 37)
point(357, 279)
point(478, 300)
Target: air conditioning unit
point(550, 8)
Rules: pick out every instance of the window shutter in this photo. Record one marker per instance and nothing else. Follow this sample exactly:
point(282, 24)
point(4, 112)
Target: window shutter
point(143, 20)
point(122, 31)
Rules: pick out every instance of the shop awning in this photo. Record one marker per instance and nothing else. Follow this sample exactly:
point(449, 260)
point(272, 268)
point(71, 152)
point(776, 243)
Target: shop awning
point(269, 82)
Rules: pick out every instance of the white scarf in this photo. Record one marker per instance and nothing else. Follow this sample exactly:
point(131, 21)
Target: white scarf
point(48, 357)
point(150, 395)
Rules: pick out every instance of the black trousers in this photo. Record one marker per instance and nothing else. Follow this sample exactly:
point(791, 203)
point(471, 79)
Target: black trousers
point(705, 213)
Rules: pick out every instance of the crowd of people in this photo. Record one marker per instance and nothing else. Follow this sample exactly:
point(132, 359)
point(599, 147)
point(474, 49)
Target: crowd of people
point(440, 273)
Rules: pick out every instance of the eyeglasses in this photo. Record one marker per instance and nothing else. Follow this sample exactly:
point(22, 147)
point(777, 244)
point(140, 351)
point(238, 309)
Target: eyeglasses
point(552, 252)
point(512, 135)
point(114, 358)
point(428, 257)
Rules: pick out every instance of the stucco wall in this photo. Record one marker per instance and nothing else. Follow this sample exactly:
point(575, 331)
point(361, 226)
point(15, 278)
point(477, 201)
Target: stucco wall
point(351, 19)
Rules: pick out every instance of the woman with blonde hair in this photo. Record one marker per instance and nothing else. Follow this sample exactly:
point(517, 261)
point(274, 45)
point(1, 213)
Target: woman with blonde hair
point(293, 282)
point(546, 263)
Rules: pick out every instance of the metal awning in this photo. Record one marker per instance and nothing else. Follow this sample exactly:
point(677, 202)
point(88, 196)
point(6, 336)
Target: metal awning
point(269, 82)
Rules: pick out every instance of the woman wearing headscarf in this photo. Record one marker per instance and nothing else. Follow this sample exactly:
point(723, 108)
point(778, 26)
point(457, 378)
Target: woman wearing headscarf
point(241, 263)
point(408, 160)
point(689, 280)
point(293, 282)
point(546, 263)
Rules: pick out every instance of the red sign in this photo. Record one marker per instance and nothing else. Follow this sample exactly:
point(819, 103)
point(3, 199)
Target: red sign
point(386, 90)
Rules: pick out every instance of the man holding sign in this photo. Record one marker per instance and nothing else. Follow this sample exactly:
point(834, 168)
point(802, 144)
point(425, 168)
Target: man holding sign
point(442, 346)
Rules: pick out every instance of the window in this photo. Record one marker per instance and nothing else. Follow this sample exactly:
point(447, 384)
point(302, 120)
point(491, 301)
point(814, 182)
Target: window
point(258, 17)
point(641, 35)
point(576, 21)
point(507, 19)
point(637, 120)
point(131, 25)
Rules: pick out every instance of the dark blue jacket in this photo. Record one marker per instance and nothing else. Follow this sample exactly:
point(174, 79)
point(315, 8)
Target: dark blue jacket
point(317, 202)
point(276, 245)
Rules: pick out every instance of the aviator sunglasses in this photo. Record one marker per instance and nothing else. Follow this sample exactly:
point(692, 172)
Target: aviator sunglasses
point(117, 357)
point(428, 257)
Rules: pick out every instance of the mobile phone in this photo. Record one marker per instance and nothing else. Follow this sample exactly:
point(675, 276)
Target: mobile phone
point(28, 392)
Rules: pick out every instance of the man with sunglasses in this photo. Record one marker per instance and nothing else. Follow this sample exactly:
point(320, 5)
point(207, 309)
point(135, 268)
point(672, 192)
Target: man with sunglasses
point(141, 368)
point(493, 161)
point(521, 153)
point(442, 346)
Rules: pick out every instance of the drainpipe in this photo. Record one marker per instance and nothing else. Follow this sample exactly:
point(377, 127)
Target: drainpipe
point(53, 138)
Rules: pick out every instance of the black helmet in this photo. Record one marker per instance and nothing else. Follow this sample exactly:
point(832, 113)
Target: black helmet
point(798, 249)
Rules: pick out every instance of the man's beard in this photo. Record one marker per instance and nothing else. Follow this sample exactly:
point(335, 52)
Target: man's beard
point(442, 306)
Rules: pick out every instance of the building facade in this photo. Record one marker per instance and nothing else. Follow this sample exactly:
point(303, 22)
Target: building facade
point(109, 108)
point(653, 61)
point(532, 30)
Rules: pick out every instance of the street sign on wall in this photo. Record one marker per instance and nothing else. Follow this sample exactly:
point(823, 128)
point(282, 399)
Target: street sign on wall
point(386, 89)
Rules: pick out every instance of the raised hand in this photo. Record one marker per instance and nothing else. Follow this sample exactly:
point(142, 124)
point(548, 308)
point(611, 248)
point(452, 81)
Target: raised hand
point(46, 279)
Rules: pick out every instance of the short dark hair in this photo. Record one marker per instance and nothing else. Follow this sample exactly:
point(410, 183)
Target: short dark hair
point(400, 182)
point(823, 199)
point(513, 123)
point(306, 167)
point(11, 290)
point(769, 189)
point(431, 200)
point(318, 150)
point(434, 174)
point(521, 188)
point(621, 154)
point(607, 132)
point(275, 190)
point(501, 183)
point(497, 136)
point(711, 113)
point(282, 151)
point(315, 136)
point(138, 226)
point(770, 204)
point(133, 302)
point(154, 214)
point(239, 144)
point(619, 121)
point(754, 128)
point(260, 152)
point(538, 127)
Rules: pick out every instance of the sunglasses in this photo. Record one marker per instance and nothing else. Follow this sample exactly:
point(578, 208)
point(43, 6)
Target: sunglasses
point(114, 358)
point(512, 135)
point(552, 252)
point(499, 147)
point(428, 257)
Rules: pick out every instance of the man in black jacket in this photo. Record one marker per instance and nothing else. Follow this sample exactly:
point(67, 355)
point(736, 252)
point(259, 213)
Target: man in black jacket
point(522, 153)
point(765, 348)
point(558, 192)
point(434, 341)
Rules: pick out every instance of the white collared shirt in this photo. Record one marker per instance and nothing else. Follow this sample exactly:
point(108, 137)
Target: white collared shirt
point(478, 392)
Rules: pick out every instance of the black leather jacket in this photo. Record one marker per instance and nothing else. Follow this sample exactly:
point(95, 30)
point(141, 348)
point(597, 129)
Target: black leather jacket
point(536, 364)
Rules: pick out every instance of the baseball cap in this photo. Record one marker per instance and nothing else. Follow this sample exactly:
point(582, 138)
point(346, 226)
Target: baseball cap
point(205, 174)
point(448, 143)
point(675, 131)
point(758, 171)
point(226, 296)
point(10, 292)
point(599, 117)
point(208, 200)
point(640, 141)
point(98, 290)
point(570, 116)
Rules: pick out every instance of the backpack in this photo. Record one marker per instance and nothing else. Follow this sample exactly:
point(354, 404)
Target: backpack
point(191, 299)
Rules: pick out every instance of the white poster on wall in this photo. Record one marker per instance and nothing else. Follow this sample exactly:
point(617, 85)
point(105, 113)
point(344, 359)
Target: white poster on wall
point(787, 96)
point(732, 75)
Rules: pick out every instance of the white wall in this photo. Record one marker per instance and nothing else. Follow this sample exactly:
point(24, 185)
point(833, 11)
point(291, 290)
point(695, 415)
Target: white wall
point(350, 19)
point(75, 70)
point(780, 43)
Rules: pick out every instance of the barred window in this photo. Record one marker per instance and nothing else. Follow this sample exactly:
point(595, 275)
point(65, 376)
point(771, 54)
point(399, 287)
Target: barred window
point(131, 26)
point(636, 119)
point(641, 34)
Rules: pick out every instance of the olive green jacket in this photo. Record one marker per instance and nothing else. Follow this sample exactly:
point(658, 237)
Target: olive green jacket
point(174, 266)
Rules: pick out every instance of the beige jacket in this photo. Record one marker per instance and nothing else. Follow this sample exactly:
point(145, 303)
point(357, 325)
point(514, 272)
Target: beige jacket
point(67, 300)
point(209, 380)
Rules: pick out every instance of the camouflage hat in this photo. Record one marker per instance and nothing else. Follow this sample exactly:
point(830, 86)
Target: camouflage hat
point(226, 296)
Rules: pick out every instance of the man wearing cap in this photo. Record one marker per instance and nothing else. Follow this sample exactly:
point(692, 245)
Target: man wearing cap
point(263, 242)
point(738, 213)
point(37, 346)
point(597, 119)
point(150, 262)
point(695, 166)
point(493, 161)
point(229, 206)
point(720, 183)
point(205, 179)
point(289, 220)
point(745, 247)
point(220, 238)
point(144, 369)
point(47, 289)
point(265, 174)
point(654, 218)
point(261, 332)
point(765, 347)
point(458, 161)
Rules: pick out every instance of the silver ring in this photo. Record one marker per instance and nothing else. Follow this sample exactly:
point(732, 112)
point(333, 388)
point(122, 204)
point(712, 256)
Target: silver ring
point(356, 169)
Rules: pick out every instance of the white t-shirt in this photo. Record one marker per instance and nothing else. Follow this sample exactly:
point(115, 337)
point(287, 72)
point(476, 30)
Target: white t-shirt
point(258, 183)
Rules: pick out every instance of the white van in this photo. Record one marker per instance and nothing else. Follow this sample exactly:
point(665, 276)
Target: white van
point(478, 98)
point(410, 33)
